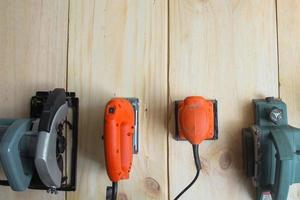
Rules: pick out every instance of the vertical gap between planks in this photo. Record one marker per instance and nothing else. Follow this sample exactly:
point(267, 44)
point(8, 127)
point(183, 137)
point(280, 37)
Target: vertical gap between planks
point(277, 46)
point(168, 98)
point(67, 80)
point(68, 46)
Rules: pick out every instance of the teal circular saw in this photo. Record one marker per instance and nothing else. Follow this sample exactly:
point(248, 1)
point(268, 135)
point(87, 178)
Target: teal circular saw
point(32, 150)
point(271, 150)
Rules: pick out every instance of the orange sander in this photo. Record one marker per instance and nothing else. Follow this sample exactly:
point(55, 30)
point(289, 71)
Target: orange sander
point(196, 120)
point(120, 140)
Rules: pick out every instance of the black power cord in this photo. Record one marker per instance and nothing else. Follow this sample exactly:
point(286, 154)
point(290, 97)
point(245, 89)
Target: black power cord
point(198, 167)
point(114, 190)
point(111, 192)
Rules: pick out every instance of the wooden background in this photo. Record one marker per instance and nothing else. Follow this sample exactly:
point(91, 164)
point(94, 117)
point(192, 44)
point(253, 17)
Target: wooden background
point(158, 51)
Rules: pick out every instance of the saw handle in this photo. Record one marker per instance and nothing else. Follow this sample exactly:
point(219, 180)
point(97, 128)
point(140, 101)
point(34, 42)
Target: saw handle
point(118, 138)
point(284, 160)
point(18, 173)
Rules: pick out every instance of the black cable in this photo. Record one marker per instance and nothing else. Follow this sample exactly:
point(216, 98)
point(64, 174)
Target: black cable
point(198, 167)
point(114, 190)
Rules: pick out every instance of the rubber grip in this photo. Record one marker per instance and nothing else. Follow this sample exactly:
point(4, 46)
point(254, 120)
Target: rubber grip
point(12, 165)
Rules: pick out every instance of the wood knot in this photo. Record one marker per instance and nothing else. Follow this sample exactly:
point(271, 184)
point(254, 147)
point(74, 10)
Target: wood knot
point(152, 186)
point(205, 165)
point(225, 160)
point(122, 196)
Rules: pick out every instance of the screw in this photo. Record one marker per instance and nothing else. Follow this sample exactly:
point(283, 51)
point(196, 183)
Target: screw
point(52, 190)
point(276, 115)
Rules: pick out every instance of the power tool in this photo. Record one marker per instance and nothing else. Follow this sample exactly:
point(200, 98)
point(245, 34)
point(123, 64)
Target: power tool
point(120, 140)
point(271, 150)
point(196, 120)
point(32, 150)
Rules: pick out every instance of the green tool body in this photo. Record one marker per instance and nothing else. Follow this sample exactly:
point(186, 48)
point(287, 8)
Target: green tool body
point(271, 150)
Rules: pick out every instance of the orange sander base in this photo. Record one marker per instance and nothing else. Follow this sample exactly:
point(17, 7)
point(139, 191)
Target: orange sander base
point(205, 116)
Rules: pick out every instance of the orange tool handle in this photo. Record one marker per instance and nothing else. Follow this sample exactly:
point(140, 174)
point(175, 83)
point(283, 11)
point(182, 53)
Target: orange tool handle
point(196, 119)
point(118, 137)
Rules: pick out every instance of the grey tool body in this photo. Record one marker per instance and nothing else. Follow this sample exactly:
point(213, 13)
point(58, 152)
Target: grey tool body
point(45, 157)
point(31, 150)
point(27, 146)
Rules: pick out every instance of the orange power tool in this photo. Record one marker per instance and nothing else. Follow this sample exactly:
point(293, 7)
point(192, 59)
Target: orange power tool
point(196, 120)
point(120, 140)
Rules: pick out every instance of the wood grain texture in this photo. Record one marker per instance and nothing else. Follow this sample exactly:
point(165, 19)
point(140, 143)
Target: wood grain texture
point(224, 50)
point(219, 49)
point(289, 64)
point(119, 48)
point(33, 51)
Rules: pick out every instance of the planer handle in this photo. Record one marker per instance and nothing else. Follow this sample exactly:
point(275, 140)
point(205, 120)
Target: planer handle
point(284, 168)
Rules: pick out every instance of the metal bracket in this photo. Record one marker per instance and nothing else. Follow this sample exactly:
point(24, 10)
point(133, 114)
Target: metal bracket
point(135, 104)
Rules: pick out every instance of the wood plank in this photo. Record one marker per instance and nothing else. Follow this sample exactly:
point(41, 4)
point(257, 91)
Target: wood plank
point(224, 50)
point(119, 48)
point(32, 57)
point(289, 64)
